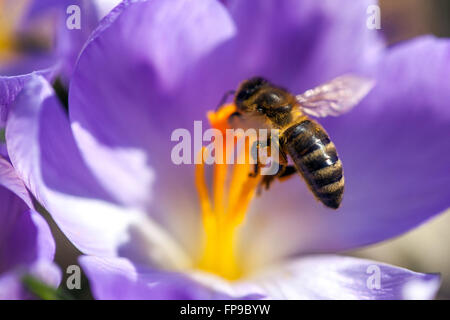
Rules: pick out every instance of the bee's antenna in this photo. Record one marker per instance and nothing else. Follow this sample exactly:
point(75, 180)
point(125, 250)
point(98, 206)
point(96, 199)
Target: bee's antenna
point(225, 98)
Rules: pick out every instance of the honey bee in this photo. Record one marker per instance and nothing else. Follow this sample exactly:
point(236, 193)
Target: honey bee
point(306, 142)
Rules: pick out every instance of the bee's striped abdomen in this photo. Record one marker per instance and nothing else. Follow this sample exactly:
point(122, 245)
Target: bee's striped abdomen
point(316, 159)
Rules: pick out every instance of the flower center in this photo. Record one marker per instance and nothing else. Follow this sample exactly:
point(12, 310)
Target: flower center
point(224, 211)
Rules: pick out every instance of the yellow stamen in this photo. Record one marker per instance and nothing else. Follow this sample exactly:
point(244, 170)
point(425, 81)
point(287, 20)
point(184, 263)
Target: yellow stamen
point(202, 190)
point(222, 220)
point(237, 214)
point(209, 222)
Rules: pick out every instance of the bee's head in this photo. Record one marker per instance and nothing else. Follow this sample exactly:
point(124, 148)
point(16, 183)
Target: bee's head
point(247, 89)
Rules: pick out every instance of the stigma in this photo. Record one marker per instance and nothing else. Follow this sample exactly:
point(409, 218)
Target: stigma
point(224, 208)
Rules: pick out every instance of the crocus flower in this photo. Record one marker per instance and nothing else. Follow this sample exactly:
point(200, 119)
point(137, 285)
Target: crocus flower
point(105, 173)
point(26, 243)
point(34, 34)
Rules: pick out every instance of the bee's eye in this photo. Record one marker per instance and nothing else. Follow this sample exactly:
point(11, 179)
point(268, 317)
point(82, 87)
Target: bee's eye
point(260, 109)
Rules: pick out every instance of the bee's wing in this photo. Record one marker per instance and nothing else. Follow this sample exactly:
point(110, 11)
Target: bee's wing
point(335, 97)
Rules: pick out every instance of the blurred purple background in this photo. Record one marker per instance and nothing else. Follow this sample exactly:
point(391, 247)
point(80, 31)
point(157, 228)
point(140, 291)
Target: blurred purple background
point(425, 249)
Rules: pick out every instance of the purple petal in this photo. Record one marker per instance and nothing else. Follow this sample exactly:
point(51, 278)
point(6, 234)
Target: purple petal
point(40, 27)
point(11, 86)
point(24, 236)
point(296, 44)
point(119, 279)
point(3, 151)
point(43, 151)
point(27, 64)
point(138, 55)
point(44, 241)
point(40, 7)
point(68, 42)
point(11, 285)
point(315, 277)
point(26, 242)
point(9, 181)
point(394, 148)
point(105, 6)
point(335, 277)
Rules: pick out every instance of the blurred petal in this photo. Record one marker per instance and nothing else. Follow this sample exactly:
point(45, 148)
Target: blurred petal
point(334, 277)
point(9, 181)
point(45, 22)
point(11, 287)
point(44, 242)
point(105, 6)
point(119, 279)
point(69, 42)
point(24, 235)
point(27, 64)
point(32, 37)
point(316, 277)
point(53, 169)
point(25, 238)
point(3, 151)
point(43, 151)
point(11, 86)
point(26, 242)
point(40, 7)
point(394, 148)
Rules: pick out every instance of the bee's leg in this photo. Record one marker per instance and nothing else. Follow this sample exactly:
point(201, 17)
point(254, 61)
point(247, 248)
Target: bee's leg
point(287, 173)
point(225, 98)
point(282, 167)
point(255, 172)
point(258, 145)
point(266, 182)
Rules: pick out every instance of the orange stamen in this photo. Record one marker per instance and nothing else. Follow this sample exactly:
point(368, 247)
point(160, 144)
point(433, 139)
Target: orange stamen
point(222, 218)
